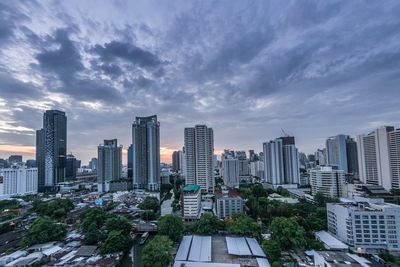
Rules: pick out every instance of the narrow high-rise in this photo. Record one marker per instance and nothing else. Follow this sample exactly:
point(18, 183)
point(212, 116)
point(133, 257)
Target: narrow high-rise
point(51, 147)
point(109, 162)
point(146, 153)
point(199, 151)
point(176, 161)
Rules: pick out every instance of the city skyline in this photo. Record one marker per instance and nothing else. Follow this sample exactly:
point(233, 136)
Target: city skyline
point(310, 69)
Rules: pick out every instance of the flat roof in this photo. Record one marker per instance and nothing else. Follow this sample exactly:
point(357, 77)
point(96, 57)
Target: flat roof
point(191, 187)
point(200, 249)
point(330, 241)
point(255, 247)
point(184, 248)
point(238, 246)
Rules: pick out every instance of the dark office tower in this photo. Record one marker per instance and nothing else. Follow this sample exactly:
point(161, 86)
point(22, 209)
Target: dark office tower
point(146, 153)
point(109, 164)
point(351, 152)
point(71, 166)
point(55, 147)
point(78, 163)
point(175, 161)
point(13, 159)
point(40, 159)
point(130, 162)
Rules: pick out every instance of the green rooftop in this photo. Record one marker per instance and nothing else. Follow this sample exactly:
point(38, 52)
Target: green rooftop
point(192, 187)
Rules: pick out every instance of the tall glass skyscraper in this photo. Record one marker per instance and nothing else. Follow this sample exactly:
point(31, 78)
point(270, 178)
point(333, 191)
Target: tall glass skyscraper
point(146, 153)
point(51, 148)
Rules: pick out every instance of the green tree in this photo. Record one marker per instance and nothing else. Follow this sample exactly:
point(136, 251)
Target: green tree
point(157, 253)
point(116, 241)
point(56, 209)
point(272, 249)
point(93, 215)
point(150, 203)
point(43, 230)
point(148, 215)
point(207, 224)
point(171, 226)
point(243, 225)
point(258, 190)
point(118, 223)
point(93, 235)
point(276, 264)
point(287, 232)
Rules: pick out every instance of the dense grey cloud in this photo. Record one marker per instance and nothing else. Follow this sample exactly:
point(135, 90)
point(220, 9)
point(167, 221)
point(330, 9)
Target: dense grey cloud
point(313, 68)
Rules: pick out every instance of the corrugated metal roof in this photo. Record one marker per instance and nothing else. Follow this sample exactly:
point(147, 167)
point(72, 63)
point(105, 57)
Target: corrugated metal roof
point(255, 248)
point(200, 249)
point(184, 248)
point(238, 246)
point(263, 262)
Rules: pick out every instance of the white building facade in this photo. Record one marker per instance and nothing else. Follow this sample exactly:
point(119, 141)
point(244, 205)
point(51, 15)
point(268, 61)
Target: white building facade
point(191, 202)
point(379, 157)
point(328, 181)
point(366, 225)
point(18, 181)
point(199, 152)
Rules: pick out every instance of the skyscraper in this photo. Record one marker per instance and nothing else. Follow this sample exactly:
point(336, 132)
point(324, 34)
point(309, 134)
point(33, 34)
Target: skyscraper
point(71, 166)
point(379, 157)
point(175, 161)
point(146, 152)
point(51, 142)
point(130, 162)
point(231, 170)
point(109, 157)
point(40, 158)
point(336, 152)
point(351, 154)
point(281, 162)
point(199, 151)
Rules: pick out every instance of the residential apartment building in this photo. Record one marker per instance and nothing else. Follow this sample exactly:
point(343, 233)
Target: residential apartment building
point(199, 152)
point(379, 157)
point(18, 180)
point(281, 162)
point(366, 225)
point(327, 180)
point(146, 153)
point(109, 162)
point(228, 203)
point(191, 202)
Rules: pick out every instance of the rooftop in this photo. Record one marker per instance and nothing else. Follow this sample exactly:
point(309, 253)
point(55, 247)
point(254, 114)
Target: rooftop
point(191, 188)
point(330, 242)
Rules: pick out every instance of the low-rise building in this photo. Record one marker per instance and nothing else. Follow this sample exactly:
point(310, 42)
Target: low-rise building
point(18, 180)
point(339, 259)
point(191, 202)
point(366, 225)
point(327, 180)
point(228, 202)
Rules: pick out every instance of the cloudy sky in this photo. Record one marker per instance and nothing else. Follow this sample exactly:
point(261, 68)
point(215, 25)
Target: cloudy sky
point(246, 68)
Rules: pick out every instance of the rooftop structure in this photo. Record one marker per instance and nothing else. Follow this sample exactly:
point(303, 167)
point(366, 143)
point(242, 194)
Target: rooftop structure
point(330, 242)
point(219, 251)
